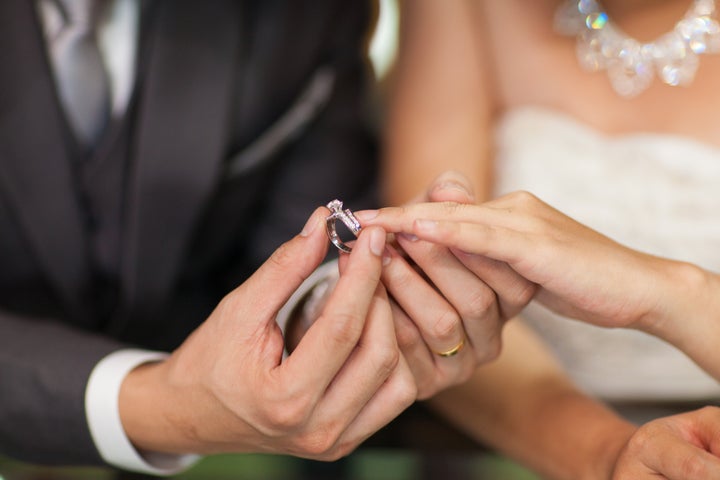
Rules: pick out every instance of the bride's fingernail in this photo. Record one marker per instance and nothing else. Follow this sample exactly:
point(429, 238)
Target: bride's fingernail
point(408, 236)
point(426, 225)
point(454, 185)
point(387, 257)
point(457, 186)
point(365, 215)
point(377, 242)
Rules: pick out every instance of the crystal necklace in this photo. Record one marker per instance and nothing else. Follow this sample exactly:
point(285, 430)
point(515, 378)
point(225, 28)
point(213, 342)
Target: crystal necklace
point(631, 65)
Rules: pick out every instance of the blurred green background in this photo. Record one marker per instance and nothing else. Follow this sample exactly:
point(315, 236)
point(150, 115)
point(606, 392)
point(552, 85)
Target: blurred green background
point(365, 464)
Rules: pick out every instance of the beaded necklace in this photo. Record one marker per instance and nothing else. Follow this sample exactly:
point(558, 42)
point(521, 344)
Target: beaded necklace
point(631, 65)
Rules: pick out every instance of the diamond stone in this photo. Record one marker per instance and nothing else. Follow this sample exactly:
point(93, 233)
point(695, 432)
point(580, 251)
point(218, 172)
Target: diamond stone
point(335, 205)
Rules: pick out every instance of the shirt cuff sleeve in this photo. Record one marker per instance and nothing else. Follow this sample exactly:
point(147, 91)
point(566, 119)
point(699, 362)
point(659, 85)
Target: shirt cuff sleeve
point(103, 417)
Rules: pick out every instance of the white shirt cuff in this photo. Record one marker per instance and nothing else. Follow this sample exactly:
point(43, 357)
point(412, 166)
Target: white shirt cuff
point(103, 416)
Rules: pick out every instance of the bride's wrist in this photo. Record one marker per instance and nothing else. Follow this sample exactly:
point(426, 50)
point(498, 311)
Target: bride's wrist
point(691, 323)
point(682, 295)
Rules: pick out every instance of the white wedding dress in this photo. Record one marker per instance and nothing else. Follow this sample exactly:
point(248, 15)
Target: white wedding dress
point(656, 193)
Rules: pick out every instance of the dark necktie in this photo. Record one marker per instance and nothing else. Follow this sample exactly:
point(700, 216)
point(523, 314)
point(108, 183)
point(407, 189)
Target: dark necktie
point(81, 78)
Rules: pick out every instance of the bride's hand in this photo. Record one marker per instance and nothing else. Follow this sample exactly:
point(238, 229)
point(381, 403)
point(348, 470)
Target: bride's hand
point(578, 272)
point(439, 305)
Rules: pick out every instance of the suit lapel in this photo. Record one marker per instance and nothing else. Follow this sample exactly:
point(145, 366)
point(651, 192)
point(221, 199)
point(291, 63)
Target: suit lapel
point(35, 171)
point(181, 136)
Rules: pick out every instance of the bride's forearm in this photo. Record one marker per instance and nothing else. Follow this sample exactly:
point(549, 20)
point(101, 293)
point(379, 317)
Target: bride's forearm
point(523, 406)
point(554, 430)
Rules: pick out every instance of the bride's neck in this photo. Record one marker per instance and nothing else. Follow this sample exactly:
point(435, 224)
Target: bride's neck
point(632, 6)
point(646, 19)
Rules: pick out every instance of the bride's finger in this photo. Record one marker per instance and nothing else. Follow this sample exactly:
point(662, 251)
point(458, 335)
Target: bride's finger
point(475, 302)
point(513, 290)
point(437, 320)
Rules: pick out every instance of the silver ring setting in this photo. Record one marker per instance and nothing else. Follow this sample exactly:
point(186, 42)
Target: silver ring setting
point(346, 216)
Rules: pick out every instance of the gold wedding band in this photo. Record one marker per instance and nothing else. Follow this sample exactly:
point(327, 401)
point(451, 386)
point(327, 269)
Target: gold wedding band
point(453, 351)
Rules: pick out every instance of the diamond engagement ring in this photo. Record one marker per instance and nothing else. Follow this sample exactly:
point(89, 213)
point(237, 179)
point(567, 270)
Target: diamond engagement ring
point(345, 216)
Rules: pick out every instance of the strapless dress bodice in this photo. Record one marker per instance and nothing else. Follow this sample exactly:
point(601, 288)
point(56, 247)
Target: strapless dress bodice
point(656, 193)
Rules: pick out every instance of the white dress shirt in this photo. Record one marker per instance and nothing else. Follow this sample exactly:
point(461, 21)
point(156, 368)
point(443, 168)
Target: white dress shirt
point(117, 40)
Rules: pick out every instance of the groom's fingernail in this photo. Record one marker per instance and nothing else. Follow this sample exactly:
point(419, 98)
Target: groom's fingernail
point(377, 241)
point(309, 227)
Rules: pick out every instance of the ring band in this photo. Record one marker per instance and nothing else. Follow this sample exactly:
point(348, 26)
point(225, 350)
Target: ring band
point(453, 351)
point(346, 216)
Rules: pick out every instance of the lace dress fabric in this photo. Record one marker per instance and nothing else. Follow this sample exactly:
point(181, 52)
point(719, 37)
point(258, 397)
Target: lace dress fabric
point(656, 193)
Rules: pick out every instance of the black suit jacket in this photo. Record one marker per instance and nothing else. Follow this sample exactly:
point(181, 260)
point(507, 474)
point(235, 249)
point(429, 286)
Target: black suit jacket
point(245, 117)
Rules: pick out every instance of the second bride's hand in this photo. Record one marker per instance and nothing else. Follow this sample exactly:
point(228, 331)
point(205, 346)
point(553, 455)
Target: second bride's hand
point(684, 446)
